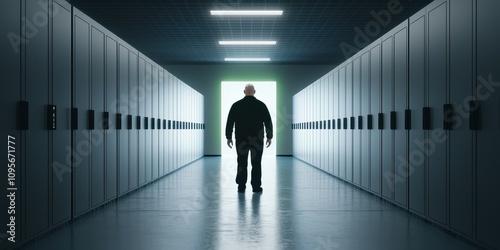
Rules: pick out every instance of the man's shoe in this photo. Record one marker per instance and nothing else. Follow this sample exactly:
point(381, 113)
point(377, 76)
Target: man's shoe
point(257, 190)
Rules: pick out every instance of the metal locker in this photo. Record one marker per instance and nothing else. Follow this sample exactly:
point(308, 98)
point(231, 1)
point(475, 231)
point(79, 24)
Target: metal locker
point(123, 109)
point(348, 114)
point(131, 128)
point(356, 104)
point(81, 93)
point(343, 115)
point(400, 177)
point(461, 137)
point(387, 96)
point(36, 143)
point(61, 98)
point(488, 135)
point(154, 116)
point(147, 115)
point(365, 111)
point(161, 117)
point(437, 137)
point(336, 132)
point(10, 70)
point(375, 140)
point(111, 108)
point(417, 82)
point(331, 115)
point(141, 114)
point(97, 105)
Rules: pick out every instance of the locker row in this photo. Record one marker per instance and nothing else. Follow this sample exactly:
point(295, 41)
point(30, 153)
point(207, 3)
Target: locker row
point(104, 123)
point(94, 119)
point(449, 122)
point(414, 118)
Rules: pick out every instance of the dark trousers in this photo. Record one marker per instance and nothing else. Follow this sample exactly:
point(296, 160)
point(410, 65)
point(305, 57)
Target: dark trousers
point(255, 147)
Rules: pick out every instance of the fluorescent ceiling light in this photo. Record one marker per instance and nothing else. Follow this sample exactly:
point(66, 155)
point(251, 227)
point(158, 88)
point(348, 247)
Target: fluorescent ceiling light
point(247, 42)
point(246, 12)
point(247, 59)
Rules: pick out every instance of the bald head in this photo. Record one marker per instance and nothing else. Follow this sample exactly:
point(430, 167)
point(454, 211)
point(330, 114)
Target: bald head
point(249, 90)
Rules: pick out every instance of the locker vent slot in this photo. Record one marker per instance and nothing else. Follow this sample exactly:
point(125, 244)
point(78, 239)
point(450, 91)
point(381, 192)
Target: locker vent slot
point(369, 122)
point(408, 119)
point(74, 118)
point(105, 120)
point(129, 121)
point(118, 121)
point(448, 116)
point(426, 123)
point(91, 116)
point(380, 121)
point(393, 120)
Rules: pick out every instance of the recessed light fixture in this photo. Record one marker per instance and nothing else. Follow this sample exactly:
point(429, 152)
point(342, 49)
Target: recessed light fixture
point(246, 12)
point(247, 59)
point(247, 42)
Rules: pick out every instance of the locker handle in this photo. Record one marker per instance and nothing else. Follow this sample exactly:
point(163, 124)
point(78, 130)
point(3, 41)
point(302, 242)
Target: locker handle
point(146, 122)
point(369, 122)
point(91, 119)
point(74, 118)
point(158, 123)
point(474, 110)
point(345, 123)
point(360, 122)
point(339, 124)
point(169, 124)
point(408, 119)
point(51, 117)
point(380, 121)
point(152, 123)
point(317, 125)
point(353, 122)
point(129, 122)
point(426, 111)
point(105, 120)
point(447, 117)
point(164, 124)
point(393, 120)
point(118, 121)
point(138, 122)
point(329, 124)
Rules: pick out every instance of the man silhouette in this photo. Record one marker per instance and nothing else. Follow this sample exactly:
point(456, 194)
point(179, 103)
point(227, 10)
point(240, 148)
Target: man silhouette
point(249, 116)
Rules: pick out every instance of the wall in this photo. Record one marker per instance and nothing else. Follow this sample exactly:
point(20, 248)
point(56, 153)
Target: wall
point(207, 80)
point(414, 118)
point(88, 118)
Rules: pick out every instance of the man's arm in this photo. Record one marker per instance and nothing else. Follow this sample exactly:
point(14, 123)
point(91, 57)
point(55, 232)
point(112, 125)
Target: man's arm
point(230, 123)
point(268, 123)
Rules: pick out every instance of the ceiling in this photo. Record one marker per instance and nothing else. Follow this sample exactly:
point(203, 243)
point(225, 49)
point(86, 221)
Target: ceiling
point(184, 32)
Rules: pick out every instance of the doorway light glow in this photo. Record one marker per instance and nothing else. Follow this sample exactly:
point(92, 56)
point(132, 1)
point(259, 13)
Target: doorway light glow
point(246, 12)
point(247, 42)
point(247, 59)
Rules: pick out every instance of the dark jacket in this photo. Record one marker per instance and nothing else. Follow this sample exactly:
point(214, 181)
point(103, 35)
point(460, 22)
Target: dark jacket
point(249, 116)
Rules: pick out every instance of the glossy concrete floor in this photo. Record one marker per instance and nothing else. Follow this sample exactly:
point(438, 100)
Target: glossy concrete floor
point(198, 207)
